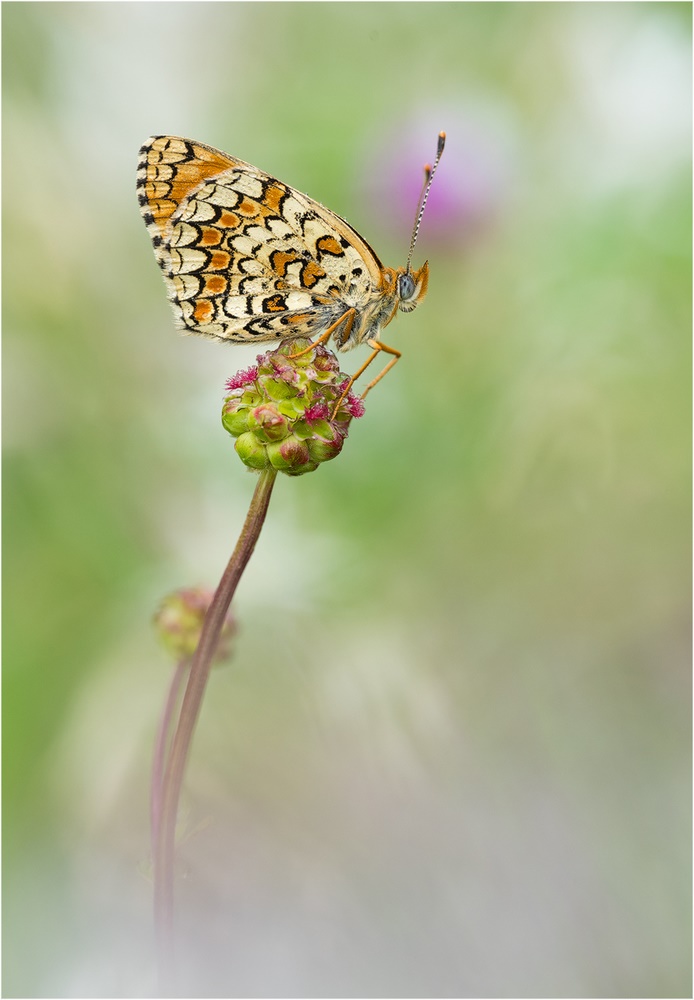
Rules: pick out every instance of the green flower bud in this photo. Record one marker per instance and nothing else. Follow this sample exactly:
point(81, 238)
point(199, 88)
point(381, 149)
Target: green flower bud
point(251, 451)
point(323, 430)
point(267, 423)
point(291, 456)
point(275, 388)
point(235, 416)
point(323, 451)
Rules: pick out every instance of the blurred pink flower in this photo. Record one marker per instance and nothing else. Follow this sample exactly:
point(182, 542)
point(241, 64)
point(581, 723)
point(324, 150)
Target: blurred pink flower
point(471, 184)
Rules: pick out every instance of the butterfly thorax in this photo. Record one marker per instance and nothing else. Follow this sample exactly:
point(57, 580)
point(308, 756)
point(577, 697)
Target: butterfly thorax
point(367, 311)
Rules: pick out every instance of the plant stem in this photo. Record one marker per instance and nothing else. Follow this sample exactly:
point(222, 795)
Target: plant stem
point(190, 709)
point(161, 746)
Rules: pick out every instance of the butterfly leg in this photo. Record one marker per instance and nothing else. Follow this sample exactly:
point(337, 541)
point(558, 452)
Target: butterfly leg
point(377, 347)
point(347, 318)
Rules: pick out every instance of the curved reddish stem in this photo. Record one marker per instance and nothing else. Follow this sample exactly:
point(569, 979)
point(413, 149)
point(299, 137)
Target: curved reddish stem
point(164, 847)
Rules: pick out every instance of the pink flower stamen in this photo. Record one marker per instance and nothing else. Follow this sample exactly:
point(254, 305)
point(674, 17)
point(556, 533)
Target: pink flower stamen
point(241, 378)
point(355, 405)
point(319, 411)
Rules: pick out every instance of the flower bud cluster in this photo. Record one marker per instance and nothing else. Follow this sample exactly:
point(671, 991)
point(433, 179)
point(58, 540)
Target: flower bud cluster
point(282, 411)
point(179, 622)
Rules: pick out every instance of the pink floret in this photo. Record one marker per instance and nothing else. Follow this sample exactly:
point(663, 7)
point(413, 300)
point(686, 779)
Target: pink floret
point(319, 411)
point(355, 405)
point(241, 378)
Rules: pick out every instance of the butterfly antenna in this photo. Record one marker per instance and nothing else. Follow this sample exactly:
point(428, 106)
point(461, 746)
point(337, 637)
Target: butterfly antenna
point(429, 172)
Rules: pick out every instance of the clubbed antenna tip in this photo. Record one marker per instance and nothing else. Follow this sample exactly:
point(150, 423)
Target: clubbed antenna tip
point(429, 172)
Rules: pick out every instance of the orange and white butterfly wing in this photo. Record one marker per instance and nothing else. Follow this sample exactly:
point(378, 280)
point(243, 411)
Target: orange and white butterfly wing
point(244, 256)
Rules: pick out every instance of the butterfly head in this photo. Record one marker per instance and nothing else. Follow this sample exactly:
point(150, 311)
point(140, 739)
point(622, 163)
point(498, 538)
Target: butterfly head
point(412, 287)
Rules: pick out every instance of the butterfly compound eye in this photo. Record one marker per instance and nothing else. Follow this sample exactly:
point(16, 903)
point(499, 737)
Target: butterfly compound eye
point(406, 286)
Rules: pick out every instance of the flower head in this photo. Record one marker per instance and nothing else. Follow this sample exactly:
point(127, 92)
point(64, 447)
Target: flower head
point(290, 411)
point(179, 622)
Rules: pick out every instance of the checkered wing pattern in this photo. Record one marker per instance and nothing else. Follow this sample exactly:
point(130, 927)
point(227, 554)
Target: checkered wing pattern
point(246, 258)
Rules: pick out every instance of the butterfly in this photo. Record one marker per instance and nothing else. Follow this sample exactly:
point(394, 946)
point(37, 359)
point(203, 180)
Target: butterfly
point(246, 258)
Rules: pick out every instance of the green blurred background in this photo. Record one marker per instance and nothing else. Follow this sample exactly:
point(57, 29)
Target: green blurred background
point(451, 756)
